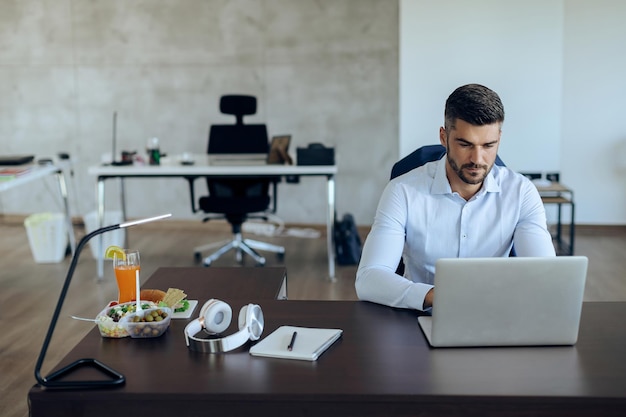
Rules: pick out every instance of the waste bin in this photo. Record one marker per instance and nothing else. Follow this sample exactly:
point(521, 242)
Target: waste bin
point(114, 237)
point(47, 236)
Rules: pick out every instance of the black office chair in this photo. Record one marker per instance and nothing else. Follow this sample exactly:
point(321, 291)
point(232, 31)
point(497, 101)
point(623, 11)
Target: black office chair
point(238, 199)
point(421, 156)
point(418, 158)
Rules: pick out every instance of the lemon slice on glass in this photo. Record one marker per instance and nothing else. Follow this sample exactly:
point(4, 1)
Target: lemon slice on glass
point(112, 251)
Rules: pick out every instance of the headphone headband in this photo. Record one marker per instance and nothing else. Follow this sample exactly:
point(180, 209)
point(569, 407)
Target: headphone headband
point(219, 345)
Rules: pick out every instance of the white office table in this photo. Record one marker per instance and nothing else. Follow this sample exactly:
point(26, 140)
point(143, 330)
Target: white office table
point(559, 194)
point(203, 167)
point(40, 171)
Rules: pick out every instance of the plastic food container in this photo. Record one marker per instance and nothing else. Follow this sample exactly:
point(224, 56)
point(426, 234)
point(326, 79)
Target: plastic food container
point(110, 319)
point(152, 322)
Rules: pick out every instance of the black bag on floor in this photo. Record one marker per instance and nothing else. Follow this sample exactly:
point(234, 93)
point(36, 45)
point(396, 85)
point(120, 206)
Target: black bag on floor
point(347, 241)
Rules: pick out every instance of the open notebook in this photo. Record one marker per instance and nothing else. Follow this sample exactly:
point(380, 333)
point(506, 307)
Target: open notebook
point(308, 345)
point(517, 301)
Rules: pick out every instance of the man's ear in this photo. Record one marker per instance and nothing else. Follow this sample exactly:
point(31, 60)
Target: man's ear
point(442, 137)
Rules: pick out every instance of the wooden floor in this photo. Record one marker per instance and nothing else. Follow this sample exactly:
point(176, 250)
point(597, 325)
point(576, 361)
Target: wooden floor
point(29, 291)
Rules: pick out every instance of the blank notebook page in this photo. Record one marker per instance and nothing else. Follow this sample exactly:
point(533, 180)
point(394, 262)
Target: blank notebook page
point(309, 344)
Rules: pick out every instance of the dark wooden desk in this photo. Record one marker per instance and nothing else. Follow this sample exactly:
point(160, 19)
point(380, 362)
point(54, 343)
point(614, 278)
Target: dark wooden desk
point(200, 283)
point(382, 366)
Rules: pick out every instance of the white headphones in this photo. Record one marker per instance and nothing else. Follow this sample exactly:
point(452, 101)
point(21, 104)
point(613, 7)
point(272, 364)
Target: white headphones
point(215, 316)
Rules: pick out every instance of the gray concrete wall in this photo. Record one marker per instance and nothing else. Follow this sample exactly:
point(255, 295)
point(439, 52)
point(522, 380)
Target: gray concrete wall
point(323, 71)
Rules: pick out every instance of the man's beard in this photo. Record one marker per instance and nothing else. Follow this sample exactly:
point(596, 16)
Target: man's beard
point(469, 179)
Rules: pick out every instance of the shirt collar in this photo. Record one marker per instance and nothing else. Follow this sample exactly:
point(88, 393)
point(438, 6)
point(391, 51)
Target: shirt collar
point(441, 185)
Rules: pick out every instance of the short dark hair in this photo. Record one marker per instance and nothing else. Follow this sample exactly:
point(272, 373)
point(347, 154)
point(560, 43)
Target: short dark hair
point(475, 104)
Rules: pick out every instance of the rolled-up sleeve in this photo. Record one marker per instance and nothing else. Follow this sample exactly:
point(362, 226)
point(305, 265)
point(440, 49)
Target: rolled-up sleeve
point(376, 279)
point(531, 237)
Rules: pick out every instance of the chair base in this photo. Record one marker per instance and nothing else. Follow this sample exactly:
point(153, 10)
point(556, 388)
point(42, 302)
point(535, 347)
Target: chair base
point(241, 246)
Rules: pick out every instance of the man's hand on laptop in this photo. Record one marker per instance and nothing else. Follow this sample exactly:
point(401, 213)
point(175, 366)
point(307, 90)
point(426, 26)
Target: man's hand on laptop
point(428, 300)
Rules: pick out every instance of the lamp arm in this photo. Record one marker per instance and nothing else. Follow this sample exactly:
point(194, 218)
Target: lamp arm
point(49, 381)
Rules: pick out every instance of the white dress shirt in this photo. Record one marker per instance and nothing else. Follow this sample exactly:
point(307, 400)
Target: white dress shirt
point(422, 220)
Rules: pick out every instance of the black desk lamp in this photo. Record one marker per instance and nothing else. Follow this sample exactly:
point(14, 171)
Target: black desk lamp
point(51, 381)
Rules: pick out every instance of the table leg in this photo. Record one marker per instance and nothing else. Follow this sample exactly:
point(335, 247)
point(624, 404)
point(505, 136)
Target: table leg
point(123, 203)
point(571, 231)
point(100, 206)
point(68, 218)
point(330, 227)
point(559, 228)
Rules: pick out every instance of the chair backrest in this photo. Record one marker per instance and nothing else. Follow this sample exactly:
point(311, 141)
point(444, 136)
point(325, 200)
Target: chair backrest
point(238, 137)
point(237, 195)
point(421, 156)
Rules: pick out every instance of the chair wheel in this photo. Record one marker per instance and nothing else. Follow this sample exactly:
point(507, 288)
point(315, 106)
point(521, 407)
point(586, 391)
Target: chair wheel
point(280, 256)
point(206, 263)
point(197, 257)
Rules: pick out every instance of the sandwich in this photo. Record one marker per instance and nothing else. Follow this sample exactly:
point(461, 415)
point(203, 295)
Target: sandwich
point(174, 298)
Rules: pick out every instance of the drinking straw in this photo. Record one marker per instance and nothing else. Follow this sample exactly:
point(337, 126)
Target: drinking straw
point(137, 290)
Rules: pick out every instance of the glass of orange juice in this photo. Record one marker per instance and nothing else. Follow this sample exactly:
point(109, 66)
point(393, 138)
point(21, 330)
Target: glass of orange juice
point(126, 265)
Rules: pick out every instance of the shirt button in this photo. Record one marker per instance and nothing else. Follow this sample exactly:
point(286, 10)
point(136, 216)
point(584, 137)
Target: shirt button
point(464, 236)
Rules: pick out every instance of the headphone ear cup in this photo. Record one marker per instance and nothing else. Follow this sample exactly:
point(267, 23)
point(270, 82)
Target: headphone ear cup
point(217, 315)
point(242, 317)
point(206, 305)
point(251, 316)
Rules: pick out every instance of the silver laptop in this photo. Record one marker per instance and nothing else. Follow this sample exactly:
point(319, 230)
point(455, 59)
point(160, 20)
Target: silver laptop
point(513, 301)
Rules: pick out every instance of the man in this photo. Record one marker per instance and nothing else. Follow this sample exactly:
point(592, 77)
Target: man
point(460, 206)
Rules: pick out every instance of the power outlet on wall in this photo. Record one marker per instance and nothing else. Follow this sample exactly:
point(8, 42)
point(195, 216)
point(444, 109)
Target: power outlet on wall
point(553, 176)
point(531, 175)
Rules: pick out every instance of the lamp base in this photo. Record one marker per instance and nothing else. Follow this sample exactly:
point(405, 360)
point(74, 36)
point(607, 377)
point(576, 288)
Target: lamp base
point(117, 379)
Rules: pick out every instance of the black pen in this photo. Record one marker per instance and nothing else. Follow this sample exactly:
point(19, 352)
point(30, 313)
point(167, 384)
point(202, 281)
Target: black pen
point(293, 340)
